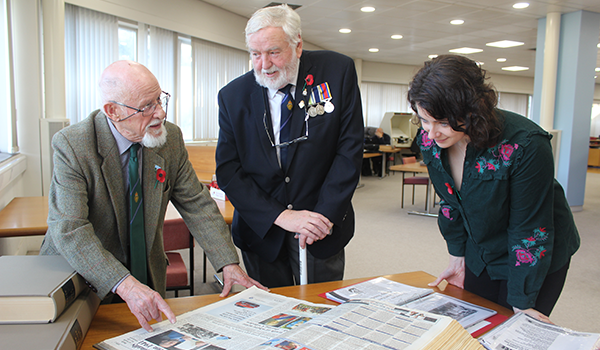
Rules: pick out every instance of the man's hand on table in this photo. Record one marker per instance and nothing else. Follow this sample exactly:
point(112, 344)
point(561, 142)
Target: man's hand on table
point(233, 274)
point(145, 304)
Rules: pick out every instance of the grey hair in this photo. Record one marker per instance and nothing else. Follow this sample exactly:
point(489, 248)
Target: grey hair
point(276, 16)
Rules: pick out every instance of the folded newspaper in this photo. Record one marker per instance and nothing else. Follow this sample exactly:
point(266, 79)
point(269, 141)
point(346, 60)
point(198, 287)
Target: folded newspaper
point(259, 320)
point(522, 331)
point(423, 299)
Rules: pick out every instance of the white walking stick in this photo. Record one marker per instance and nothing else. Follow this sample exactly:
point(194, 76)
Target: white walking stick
point(303, 264)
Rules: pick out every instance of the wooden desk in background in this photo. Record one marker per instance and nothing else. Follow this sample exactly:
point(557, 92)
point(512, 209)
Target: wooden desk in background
point(116, 319)
point(26, 216)
point(417, 168)
point(203, 161)
point(388, 149)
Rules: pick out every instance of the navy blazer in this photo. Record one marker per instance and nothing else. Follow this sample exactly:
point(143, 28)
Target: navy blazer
point(322, 172)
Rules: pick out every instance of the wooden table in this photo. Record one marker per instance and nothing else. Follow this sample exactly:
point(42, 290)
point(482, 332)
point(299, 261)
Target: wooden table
point(417, 168)
point(116, 319)
point(26, 216)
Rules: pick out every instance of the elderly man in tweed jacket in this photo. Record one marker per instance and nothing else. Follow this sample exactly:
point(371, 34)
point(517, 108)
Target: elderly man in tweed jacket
point(88, 217)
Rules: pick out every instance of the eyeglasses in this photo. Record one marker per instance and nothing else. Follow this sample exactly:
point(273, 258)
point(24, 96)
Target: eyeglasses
point(287, 143)
point(162, 101)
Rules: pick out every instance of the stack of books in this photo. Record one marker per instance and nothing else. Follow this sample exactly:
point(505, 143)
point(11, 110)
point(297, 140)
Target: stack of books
point(44, 303)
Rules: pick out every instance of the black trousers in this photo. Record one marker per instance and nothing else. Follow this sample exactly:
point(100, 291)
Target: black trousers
point(497, 291)
point(284, 271)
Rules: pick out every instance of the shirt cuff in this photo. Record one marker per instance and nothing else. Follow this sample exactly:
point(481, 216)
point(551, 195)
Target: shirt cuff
point(114, 289)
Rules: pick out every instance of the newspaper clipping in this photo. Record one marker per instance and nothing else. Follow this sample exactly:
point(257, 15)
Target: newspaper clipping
point(522, 331)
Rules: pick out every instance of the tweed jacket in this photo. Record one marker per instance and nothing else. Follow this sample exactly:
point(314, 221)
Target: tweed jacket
point(88, 220)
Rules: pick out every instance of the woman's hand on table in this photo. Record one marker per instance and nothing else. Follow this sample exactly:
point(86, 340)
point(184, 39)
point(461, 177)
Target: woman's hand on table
point(454, 273)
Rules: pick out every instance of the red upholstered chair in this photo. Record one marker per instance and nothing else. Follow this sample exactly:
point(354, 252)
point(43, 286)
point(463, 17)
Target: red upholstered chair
point(177, 236)
point(414, 180)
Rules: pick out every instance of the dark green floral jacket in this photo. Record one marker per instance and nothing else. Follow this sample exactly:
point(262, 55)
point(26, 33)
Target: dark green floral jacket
point(511, 216)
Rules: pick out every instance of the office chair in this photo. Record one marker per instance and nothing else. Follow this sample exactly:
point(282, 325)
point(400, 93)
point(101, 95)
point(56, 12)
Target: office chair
point(414, 180)
point(177, 236)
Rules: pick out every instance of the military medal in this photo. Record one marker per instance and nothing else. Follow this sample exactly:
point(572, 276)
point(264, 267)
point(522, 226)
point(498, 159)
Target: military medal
point(320, 100)
point(329, 107)
point(320, 109)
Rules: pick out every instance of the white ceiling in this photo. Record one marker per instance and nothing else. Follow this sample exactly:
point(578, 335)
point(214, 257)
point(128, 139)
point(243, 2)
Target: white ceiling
point(425, 27)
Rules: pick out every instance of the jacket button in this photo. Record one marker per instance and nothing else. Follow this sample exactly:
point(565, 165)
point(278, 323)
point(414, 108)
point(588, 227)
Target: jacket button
point(287, 179)
point(290, 206)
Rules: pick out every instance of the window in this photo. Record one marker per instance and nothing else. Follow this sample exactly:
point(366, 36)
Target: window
point(595, 126)
point(215, 65)
point(517, 103)
point(185, 93)
point(379, 98)
point(192, 70)
point(91, 44)
point(127, 42)
point(7, 126)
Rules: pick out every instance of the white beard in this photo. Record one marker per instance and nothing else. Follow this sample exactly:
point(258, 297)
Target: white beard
point(287, 75)
point(149, 140)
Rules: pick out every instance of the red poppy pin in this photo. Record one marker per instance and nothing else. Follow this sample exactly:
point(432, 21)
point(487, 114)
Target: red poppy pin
point(160, 175)
point(309, 79)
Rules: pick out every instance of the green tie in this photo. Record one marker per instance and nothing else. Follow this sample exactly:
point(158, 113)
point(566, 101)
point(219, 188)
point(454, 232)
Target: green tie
point(137, 239)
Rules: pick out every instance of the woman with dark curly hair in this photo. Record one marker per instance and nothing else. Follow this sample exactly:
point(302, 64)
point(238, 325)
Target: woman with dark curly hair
point(507, 224)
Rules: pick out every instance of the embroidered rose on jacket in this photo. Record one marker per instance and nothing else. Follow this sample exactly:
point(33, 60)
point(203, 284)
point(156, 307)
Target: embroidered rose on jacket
point(528, 253)
point(446, 212)
point(426, 142)
point(506, 151)
point(483, 164)
point(499, 156)
point(525, 257)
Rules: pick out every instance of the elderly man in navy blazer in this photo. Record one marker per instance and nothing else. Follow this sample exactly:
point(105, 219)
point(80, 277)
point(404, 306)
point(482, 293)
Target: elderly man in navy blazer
point(289, 152)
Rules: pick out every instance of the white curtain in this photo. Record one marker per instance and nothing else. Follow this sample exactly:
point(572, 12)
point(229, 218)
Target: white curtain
point(595, 126)
point(91, 44)
point(214, 66)
point(518, 103)
point(161, 57)
point(379, 98)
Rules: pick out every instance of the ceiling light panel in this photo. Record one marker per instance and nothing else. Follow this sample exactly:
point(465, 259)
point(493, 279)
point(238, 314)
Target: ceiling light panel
point(515, 68)
point(521, 5)
point(505, 44)
point(465, 50)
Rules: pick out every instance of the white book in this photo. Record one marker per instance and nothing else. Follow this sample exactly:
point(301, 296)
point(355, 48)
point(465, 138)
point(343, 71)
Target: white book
point(36, 288)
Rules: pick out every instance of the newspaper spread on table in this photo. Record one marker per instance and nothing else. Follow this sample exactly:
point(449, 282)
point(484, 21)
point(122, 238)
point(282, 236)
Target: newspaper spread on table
point(238, 322)
point(363, 324)
point(424, 299)
point(255, 319)
point(379, 288)
point(522, 331)
point(465, 313)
